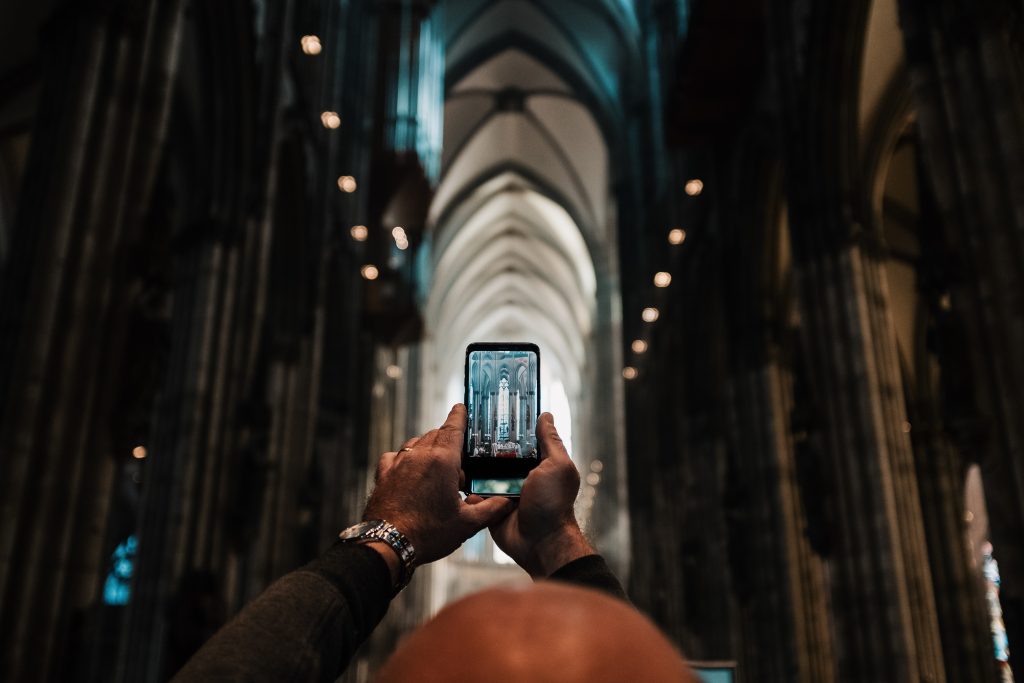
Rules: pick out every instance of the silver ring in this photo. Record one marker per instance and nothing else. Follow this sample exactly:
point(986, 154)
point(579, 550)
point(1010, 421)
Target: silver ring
point(405, 449)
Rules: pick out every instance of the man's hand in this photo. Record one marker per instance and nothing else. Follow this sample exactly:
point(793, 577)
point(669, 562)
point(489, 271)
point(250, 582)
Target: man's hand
point(542, 535)
point(418, 491)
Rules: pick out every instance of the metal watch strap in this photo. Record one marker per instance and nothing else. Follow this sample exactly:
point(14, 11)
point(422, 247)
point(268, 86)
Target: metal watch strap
point(385, 531)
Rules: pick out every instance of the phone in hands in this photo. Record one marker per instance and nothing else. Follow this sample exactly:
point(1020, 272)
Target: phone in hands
point(502, 397)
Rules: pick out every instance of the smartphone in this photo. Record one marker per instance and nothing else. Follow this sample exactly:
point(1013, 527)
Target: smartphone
point(502, 400)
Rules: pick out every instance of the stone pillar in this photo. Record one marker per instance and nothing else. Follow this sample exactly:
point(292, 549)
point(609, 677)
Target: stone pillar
point(780, 582)
point(964, 63)
point(943, 419)
point(883, 604)
point(108, 74)
point(177, 474)
point(780, 578)
point(882, 598)
point(681, 570)
point(210, 443)
point(959, 589)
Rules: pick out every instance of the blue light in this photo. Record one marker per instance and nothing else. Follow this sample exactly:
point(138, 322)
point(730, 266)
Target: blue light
point(117, 588)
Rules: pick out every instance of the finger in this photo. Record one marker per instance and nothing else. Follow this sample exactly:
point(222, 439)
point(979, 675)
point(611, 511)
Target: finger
point(485, 511)
point(474, 499)
point(384, 464)
point(410, 443)
point(550, 442)
point(454, 428)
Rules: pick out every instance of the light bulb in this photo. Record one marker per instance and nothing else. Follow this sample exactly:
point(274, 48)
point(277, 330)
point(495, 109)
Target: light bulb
point(330, 119)
point(310, 45)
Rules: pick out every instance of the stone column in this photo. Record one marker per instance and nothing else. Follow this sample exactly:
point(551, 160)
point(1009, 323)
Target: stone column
point(942, 419)
point(883, 605)
point(210, 441)
point(780, 577)
point(96, 144)
point(882, 597)
point(964, 63)
point(681, 570)
point(176, 474)
point(781, 582)
point(959, 589)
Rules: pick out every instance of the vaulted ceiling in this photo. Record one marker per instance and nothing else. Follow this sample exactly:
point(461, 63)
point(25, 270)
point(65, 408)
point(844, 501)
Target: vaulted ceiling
point(535, 99)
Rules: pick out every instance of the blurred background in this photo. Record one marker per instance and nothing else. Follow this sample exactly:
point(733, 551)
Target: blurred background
point(772, 253)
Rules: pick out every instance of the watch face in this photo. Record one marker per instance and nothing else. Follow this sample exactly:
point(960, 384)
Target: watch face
point(358, 530)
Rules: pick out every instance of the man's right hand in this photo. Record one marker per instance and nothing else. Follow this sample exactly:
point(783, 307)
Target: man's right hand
point(541, 534)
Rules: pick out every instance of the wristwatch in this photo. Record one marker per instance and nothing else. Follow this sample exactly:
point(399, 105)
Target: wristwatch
point(380, 530)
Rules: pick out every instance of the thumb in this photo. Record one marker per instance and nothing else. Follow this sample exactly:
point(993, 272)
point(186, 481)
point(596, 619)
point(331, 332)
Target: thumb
point(486, 512)
point(551, 444)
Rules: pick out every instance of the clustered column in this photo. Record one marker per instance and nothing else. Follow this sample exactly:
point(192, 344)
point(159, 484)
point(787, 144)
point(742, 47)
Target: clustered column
point(964, 63)
point(102, 116)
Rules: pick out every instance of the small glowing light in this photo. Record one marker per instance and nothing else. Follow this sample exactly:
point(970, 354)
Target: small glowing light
point(139, 452)
point(969, 516)
point(662, 279)
point(906, 427)
point(347, 183)
point(629, 372)
point(330, 119)
point(393, 371)
point(638, 346)
point(593, 478)
point(369, 271)
point(649, 314)
point(359, 233)
point(586, 503)
point(694, 187)
point(589, 491)
point(676, 236)
point(311, 45)
point(596, 465)
point(401, 239)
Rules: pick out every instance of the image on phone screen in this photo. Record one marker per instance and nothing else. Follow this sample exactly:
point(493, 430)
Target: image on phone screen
point(502, 397)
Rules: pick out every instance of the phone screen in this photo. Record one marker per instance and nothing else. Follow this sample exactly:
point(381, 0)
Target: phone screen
point(502, 400)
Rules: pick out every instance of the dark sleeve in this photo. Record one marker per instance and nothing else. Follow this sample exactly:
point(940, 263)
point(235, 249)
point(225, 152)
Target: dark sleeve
point(303, 627)
point(591, 572)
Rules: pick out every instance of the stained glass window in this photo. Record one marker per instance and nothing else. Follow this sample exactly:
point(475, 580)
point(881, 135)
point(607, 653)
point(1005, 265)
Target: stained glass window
point(990, 569)
point(117, 589)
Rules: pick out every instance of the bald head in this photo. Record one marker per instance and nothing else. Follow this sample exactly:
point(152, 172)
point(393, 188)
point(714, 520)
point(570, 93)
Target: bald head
point(544, 632)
